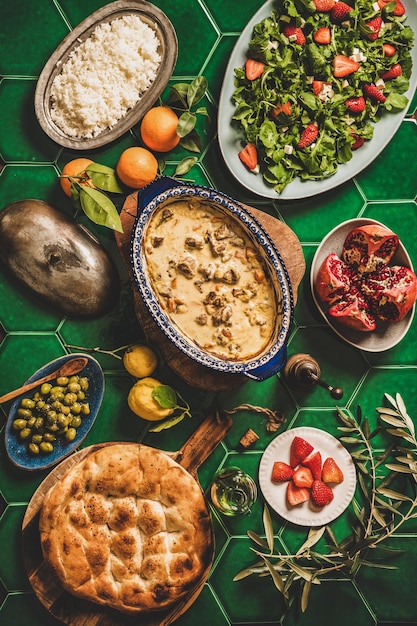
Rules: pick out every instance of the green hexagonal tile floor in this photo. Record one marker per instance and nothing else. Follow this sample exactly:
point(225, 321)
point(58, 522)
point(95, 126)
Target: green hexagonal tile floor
point(32, 333)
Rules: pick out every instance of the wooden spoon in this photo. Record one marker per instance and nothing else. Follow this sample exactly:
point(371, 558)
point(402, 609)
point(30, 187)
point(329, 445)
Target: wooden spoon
point(68, 369)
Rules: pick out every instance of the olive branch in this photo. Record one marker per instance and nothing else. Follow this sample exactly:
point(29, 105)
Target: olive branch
point(380, 508)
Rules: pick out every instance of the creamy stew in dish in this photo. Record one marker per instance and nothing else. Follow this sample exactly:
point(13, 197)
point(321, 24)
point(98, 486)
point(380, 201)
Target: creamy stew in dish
point(212, 279)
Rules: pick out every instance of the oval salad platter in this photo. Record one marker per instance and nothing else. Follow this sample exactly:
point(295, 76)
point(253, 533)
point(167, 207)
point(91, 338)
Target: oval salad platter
point(230, 138)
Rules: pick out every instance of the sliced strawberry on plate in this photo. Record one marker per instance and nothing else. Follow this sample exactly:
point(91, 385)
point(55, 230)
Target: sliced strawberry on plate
point(323, 35)
point(356, 104)
point(399, 8)
point(357, 141)
point(285, 108)
point(295, 34)
point(393, 72)
point(375, 25)
point(340, 11)
point(388, 49)
point(281, 472)
point(343, 65)
point(253, 69)
point(321, 494)
point(317, 86)
point(297, 495)
point(249, 157)
point(300, 448)
point(313, 463)
point(308, 136)
point(303, 477)
point(324, 6)
point(371, 91)
point(331, 472)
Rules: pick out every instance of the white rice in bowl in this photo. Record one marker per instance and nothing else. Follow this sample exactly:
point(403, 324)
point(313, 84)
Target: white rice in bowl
point(104, 77)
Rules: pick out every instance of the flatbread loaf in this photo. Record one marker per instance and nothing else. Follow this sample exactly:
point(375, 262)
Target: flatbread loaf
point(127, 527)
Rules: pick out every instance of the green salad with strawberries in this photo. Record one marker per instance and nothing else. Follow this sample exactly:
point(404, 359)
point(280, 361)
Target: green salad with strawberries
point(319, 75)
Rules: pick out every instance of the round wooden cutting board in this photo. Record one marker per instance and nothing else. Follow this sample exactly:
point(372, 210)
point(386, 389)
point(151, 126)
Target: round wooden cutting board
point(74, 611)
point(191, 372)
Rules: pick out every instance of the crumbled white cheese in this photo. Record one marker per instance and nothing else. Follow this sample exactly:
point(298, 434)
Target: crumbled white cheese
point(345, 84)
point(292, 37)
point(105, 76)
point(380, 83)
point(376, 6)
point(288, 149)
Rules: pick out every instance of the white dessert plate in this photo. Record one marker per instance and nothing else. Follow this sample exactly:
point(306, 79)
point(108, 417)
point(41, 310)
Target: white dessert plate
point(306, 514)
point(386, 335)
point(230, 139)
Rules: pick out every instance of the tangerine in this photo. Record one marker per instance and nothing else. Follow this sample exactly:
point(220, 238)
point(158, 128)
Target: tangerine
point(158, 129)
point(137, 167)
point(76, 170)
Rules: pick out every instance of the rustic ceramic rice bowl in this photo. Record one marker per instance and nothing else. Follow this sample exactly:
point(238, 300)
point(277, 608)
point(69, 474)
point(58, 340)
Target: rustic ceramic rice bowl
point(163, 194)
point(168, 50)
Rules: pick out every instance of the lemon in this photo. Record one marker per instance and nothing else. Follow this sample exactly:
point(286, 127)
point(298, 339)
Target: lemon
point(140, 361)
point(142, 403)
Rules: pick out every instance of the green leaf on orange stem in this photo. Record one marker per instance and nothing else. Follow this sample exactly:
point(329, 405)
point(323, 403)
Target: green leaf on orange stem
point(99, 208)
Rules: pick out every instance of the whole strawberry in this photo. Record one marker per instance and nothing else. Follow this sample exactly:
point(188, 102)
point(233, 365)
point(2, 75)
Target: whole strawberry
point(331, 472)
point(300, 448)
point(393, 72)
point(371, 91)
point(295, 34)
point(355, 104)
point(375, 26)
point(321, 494)
point(281, 472)
point(340, 11)
point(324, 6)
point(308, 136)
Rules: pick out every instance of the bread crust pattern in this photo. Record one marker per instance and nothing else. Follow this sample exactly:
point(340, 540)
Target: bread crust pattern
point(127, 527)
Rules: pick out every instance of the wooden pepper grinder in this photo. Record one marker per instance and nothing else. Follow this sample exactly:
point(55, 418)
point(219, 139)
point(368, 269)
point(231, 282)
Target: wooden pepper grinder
point(302, 371)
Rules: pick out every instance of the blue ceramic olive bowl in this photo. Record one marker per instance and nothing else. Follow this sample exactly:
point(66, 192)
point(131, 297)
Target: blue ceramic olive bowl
point(17, 450)
point(166, 190)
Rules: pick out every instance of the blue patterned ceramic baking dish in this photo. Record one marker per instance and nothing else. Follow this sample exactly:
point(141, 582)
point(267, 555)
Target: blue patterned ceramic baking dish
point(166, 191)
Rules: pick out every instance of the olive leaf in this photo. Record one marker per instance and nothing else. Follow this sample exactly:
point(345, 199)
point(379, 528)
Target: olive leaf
point(269, 531)
point(99, 208)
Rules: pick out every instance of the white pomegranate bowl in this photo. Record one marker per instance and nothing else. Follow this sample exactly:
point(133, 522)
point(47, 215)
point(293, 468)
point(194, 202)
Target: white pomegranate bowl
point(163, 192)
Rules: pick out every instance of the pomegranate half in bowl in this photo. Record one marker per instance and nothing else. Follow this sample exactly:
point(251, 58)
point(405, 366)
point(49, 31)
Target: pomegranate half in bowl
point(212, 278)
point(363, 284)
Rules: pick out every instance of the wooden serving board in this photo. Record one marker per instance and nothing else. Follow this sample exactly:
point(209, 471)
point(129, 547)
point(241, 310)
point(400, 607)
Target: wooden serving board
point(190, 371)
point(75, 611)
